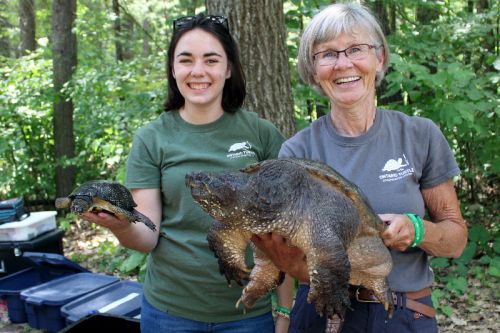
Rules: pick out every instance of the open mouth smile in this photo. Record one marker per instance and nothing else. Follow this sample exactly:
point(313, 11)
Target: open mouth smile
point(198, 86)
point(347, 79)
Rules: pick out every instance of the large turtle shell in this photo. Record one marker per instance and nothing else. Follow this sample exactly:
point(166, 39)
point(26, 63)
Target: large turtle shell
point(115, 193)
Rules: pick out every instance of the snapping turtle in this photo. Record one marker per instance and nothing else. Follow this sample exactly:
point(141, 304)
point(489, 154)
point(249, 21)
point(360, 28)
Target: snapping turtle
point(103, 195)
point(315, 209)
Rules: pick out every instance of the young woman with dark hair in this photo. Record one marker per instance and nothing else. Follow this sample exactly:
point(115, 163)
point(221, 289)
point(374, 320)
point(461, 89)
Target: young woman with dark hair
point(203, 128)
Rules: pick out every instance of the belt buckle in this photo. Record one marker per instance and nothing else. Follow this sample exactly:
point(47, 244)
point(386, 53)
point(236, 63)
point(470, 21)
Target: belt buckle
point(363, 300)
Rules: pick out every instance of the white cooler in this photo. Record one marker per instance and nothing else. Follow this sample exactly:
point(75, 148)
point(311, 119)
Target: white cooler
point(37, 223)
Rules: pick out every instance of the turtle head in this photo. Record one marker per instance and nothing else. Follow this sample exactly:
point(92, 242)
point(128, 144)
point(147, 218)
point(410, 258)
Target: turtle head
point(62, 202)
point(218, 193)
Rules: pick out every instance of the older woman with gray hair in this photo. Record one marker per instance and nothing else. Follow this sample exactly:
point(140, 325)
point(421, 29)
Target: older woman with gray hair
point(402, 163)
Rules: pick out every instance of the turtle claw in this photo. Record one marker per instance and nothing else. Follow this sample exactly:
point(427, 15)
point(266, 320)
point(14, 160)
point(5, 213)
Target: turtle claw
point(334, 324)
point(240, 300)
point(331, 302)
point(389, 308)
point(330, 294)
point(234, 273)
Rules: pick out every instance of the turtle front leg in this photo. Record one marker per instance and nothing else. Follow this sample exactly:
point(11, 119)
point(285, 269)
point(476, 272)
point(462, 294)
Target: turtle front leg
point(229, 247)
point(329, 270)
point(264, 277)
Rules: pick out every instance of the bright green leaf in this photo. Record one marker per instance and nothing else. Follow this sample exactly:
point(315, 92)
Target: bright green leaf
point(447, 310)
point(496, 245)
point(478, 234)
point(133, 261)
point(474, 94)
point(494, 268)
point(458, 284)
point(468, 254)
point(484, 260)
point(439, 262)
point(494, 271)
point(436, 295)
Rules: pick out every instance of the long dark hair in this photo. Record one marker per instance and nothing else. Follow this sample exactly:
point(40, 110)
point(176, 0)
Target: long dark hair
point(234, 91)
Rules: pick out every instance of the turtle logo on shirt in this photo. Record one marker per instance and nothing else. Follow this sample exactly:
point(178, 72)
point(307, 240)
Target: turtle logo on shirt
point(240, 149)
point(392, 164)
point(240, 146)
point(395, 170)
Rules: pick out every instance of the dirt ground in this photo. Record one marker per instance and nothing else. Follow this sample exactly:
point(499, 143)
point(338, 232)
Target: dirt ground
point(483, 316)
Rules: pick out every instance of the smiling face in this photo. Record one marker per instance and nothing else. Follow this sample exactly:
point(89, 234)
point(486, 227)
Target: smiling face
point(200, 69)
point(349, 83)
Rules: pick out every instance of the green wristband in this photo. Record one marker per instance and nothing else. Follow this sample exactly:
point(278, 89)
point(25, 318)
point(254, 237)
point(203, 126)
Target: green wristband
point(282, 310)
point(418, 225)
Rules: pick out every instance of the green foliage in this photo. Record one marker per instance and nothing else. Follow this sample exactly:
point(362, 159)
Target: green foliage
point(309, 104)
point(447, 72)
point(480, 260)
point(135, 263)
point(117, 99)
point(26, 143)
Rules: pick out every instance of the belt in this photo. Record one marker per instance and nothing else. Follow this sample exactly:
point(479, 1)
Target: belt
point(367, 296)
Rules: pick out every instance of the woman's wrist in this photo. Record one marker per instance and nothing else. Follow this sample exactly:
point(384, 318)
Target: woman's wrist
point(418, 225)
point(282, 312)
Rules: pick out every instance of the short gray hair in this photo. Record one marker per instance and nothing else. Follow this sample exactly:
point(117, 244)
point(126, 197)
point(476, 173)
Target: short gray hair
point(330, 23)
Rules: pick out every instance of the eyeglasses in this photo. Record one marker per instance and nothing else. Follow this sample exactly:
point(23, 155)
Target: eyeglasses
point(355, 52)
point(191, 20)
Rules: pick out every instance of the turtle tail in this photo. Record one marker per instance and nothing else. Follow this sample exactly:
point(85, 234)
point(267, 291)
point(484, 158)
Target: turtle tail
point(144, 219)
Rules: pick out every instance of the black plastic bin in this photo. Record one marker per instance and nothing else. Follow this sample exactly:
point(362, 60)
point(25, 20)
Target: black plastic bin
point(11, 259)
point(104, 323)
point(46, 267)
point(123, 299)
point(43, 302)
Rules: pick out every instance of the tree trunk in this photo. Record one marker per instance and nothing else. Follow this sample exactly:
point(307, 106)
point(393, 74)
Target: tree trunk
point(5, 45)
point(392, 18)
point(380, 10)
point(27, 26)
point(123, 28)
point(146, 46)
point(427, 12)
point(259, 28)
point(64, 63)
point(482, 6)
point(117, 29)
point(127, 36)
point(190, 6)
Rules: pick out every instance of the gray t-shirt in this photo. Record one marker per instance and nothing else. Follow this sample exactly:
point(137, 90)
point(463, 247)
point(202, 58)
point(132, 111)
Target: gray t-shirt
point(391, 163)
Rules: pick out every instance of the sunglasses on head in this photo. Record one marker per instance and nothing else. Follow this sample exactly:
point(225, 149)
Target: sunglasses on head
point(188, 21)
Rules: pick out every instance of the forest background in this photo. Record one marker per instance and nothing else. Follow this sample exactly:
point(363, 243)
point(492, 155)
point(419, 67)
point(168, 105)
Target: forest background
point(78, 78)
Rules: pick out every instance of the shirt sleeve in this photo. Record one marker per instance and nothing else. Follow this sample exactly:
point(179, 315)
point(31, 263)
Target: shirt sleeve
point(440, 164)
point(294, 147)
point(272, 139)
point(143, 171)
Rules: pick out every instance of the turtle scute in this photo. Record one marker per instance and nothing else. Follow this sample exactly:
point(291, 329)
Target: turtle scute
point(103, 195)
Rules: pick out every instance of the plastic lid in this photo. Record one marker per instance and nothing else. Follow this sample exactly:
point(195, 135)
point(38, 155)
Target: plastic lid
point(61, 291)
point(122, 298)
point(54, 259)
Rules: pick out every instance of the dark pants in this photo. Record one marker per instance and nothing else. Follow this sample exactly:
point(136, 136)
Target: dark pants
point(362, 317)
point(154, 320)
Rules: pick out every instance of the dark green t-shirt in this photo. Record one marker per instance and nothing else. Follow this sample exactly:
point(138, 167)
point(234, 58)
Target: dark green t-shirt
point(183, 277)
